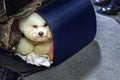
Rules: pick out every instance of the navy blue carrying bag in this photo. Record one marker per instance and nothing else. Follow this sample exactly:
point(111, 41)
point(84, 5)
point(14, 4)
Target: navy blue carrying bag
point(73, 26)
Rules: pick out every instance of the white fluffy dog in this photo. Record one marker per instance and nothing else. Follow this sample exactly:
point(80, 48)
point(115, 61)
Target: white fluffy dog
point(37, 28)
point(36, 31)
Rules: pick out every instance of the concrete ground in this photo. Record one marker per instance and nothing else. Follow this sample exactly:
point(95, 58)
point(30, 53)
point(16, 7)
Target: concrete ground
point(100, 60)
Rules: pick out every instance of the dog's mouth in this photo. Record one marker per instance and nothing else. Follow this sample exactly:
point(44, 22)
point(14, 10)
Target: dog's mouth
point(41, 38)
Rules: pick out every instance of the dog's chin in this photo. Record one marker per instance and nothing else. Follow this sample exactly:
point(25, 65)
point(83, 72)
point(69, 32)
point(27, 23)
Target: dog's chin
point(40, 39)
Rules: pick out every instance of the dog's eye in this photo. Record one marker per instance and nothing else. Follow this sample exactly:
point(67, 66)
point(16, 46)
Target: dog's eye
point(35, 26)
point(45, 25)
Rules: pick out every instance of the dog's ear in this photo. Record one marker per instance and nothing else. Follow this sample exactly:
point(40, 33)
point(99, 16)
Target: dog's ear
point(22, 24)
point(49, 34)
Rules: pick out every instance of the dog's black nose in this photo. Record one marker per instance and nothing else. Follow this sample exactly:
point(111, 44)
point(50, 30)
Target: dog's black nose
point(41, 33)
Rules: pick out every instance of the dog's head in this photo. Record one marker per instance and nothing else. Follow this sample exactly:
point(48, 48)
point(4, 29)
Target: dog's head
point(35, 28)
